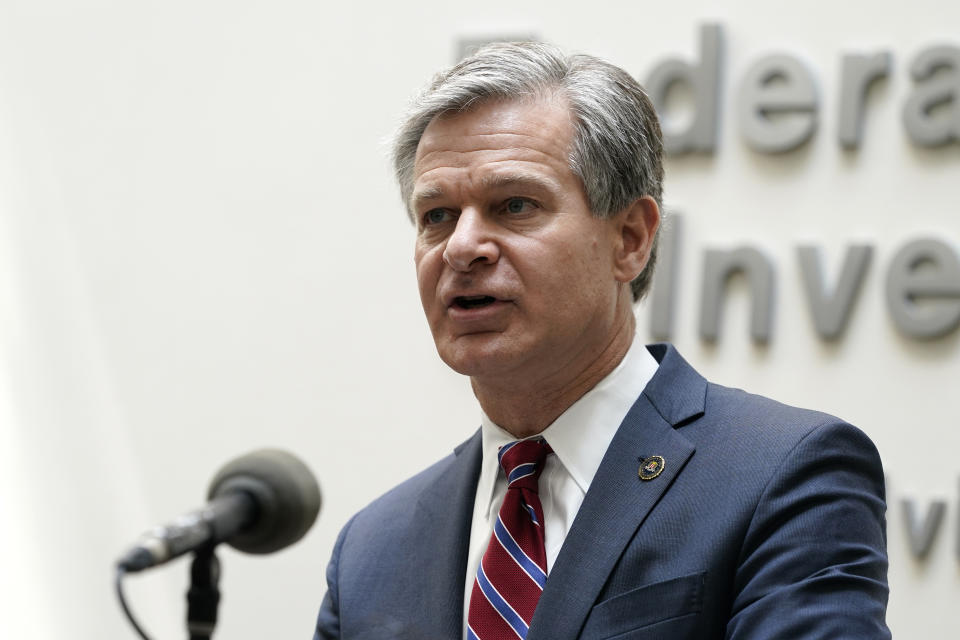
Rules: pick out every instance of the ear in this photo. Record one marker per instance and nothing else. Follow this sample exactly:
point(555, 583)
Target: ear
point(636, 227)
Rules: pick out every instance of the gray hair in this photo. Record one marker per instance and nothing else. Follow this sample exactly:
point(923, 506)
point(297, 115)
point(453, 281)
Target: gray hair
point(617, 150)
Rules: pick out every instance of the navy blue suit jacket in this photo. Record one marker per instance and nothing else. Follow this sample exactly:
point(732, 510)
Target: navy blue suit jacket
point(766, 522)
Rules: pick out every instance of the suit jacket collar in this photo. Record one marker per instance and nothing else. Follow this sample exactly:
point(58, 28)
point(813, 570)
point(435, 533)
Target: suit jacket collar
point(618, 500)
point(677, 391)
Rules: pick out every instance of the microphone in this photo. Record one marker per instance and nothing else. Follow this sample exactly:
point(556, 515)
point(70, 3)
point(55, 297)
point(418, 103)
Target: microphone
point(258, 503)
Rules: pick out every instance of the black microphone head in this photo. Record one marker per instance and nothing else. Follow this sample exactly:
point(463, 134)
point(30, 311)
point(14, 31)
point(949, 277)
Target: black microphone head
point(285, 494)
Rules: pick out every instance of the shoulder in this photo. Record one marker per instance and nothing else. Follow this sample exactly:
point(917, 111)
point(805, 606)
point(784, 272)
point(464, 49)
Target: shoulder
point(408, 493)
point(782, 504)
point(394, 514)
point(740, 424)
point(750, 448)
point(736, 414)
point(368, 573)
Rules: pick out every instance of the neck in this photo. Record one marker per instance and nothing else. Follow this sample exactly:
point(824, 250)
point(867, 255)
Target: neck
point(525, 406)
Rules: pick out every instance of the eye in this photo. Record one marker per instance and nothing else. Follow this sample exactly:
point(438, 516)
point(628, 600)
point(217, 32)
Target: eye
point(517, 205)
point(435, 216)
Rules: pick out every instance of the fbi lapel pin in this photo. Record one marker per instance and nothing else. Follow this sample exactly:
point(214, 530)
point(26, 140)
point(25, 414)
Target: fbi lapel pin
point(651, 467)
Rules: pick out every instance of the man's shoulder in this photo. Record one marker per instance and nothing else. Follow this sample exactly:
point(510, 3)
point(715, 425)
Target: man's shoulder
point(409, 492)
point(754, 410)
point(755, 426)
point(730, 416)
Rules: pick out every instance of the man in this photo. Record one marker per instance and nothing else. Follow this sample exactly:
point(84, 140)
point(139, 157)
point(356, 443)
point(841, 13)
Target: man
point(644, 501)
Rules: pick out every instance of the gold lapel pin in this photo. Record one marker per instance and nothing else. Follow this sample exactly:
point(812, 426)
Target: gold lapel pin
point(651, 467)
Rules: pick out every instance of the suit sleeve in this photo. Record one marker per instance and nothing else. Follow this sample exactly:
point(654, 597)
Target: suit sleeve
point(328, 621)
point(814, 564)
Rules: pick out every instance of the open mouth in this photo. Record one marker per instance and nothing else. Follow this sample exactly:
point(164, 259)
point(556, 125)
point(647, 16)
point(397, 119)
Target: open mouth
point(473, 302)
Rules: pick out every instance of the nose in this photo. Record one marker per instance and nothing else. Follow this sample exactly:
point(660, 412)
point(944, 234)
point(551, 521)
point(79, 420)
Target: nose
point(472, 242)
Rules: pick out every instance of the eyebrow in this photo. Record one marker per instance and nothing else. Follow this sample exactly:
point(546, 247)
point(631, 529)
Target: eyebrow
point(426, 195)
point(495, 181)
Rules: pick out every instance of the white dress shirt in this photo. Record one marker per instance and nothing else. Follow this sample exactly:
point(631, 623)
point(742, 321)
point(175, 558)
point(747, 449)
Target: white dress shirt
point(579, 438)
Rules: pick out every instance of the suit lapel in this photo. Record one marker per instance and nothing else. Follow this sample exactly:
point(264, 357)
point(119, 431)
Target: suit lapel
point(445, 510)
point(618, 501)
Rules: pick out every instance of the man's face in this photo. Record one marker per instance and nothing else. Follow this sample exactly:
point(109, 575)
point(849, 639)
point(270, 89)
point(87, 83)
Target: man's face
point(515, 274)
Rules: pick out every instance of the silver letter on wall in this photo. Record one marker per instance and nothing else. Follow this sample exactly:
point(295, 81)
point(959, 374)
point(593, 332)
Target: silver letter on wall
point(778, 104)
point(922, 535)
point(703, 80)
point(718, 267)
point(858, 74)
point(662, 299)
point(831, 312)
point(923, 289)
point(931, 114)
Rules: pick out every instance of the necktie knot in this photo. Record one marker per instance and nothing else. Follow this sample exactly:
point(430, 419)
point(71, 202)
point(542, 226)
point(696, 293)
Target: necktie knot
point(522, 462)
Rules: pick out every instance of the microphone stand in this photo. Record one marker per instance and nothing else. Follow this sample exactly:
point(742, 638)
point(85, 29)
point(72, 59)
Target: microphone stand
point(204, 594)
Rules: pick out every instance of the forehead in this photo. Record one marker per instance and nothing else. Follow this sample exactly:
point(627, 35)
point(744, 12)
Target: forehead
point(528, 135)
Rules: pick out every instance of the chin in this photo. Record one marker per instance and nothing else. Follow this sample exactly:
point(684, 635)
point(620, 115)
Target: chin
point(473, 358)
point(469, 365)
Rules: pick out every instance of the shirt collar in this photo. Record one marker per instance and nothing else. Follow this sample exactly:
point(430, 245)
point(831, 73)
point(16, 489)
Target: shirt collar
point(580, 435)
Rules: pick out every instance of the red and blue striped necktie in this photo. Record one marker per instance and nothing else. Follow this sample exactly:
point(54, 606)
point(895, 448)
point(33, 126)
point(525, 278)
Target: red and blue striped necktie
point(513, 570)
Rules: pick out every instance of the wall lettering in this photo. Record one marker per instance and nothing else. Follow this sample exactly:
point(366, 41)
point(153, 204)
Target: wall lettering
point(778, 102)
point(922, 287)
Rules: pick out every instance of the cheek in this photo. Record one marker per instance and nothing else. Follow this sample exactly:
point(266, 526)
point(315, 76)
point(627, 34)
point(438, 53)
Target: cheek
point(586, 278)
point(585, 263)
point(423, 284)
point(428, 273)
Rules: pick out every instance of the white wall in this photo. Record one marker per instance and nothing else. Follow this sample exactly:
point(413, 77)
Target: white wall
point(202, 252)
